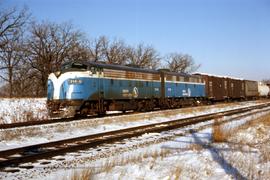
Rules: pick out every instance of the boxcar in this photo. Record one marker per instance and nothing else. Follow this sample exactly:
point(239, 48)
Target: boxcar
point(251, 89)
point(216, 87)
point(236, 88)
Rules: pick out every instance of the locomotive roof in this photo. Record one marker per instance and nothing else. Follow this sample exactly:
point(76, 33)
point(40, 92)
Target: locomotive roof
point(128, 68)
point(119, 67)
point(182, 74)
point(219, 76)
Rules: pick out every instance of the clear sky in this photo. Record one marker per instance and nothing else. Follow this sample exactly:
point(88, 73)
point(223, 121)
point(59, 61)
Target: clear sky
point(227, 37)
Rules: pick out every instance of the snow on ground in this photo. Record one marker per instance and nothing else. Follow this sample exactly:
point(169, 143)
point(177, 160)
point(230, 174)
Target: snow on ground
point(23, 109)
point(244, 155)
point(167, 155)
point(39, 134)
point(193, 156)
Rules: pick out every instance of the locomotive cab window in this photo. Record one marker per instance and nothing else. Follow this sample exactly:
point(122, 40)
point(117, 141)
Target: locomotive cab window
point(73, 66)
point(93, 70)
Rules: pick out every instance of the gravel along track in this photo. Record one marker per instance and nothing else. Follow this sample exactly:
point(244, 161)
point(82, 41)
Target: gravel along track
point(14, 157)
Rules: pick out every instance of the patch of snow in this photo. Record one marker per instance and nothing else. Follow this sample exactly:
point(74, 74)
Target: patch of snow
point(23, 109)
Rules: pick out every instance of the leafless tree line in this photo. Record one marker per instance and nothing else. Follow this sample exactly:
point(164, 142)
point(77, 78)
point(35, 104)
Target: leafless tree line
point(266, 81)
point(30, 50)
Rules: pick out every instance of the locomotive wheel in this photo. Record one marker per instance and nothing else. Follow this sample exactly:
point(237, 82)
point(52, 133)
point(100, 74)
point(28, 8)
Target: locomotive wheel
point(84, 112)
point(70, 112)
point(141, 106)
point(149, 106)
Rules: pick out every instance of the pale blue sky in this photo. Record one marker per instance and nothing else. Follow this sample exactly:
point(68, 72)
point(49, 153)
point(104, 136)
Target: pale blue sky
point(227, 37)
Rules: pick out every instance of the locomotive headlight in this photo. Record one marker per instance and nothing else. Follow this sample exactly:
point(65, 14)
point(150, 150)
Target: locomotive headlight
point(74, 81)
point(57, 73)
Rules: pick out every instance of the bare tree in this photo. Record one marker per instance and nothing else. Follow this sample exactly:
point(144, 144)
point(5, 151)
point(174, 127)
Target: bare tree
point(97, 48)
point(12, 24)
point(80, 51)
point(184, 63)
point(144, 57)
point(26, 82)
point(115, 52)
point(111, 52)
point(11, 56)
point(11, 21)
point(266, 81)
point(49, 45)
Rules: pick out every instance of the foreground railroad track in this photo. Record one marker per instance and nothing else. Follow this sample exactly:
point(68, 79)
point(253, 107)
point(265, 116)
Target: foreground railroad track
point(13, 157)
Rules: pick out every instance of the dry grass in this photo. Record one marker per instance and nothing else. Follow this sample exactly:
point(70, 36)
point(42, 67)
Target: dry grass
point(86, 174)
point(250, 165)
point(26, 116)
point(108, 164)
point(265, 153)
point(265, 120)
point(175, 173)
point(220, 133)
point(195, 147)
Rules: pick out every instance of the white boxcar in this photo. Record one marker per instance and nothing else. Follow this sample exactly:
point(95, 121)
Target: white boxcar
point(263, 89)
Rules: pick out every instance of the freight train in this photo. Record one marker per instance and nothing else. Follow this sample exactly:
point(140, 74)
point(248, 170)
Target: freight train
point(85, 88)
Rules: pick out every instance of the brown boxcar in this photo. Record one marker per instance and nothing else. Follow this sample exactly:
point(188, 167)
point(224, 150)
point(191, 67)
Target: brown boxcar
point(216, 88)
point(236, 88)
point(251, 89)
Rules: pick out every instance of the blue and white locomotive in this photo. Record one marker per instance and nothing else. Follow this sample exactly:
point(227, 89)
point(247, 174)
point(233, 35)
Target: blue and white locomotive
point(93, 88)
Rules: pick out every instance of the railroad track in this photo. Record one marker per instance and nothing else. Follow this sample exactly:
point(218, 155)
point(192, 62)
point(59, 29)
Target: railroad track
point(16, 156)
point(63, 120)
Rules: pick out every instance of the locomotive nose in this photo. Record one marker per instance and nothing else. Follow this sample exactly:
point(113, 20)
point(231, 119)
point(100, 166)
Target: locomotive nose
point(50, 90)
point(74, 88)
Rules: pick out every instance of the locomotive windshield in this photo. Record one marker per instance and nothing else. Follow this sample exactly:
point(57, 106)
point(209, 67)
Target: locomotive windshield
point(73, 66)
